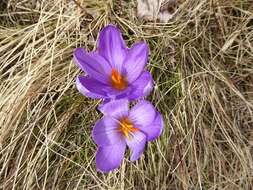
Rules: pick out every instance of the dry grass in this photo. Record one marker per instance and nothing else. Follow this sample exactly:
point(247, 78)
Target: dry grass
point(202, 63)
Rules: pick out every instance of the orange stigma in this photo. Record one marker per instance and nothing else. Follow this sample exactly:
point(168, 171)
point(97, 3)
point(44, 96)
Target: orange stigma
point(117, 80)
point(126, 127)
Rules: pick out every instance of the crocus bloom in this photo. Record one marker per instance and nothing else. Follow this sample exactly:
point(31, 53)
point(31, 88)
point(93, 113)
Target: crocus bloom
point(121, 127)
point(114, 71)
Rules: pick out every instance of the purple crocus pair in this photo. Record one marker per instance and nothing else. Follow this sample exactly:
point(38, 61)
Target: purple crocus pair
point(117, 75)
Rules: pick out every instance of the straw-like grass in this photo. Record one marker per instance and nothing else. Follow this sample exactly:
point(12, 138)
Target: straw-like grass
point(202, 64)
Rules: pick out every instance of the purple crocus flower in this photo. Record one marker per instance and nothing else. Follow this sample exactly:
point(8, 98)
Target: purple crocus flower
point(121, 127)
point(114, 71)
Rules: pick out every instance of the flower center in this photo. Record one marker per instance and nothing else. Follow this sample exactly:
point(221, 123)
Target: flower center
point(117, 80)
point(126, 127)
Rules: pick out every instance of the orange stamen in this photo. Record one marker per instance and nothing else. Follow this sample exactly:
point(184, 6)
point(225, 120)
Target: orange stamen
point(127, 127)
point(117, 80)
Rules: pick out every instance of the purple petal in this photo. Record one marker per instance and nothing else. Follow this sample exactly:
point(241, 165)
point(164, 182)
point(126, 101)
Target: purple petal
point(93, 64)
point(142, 113)
point(155, 129)
point(112, 46)
point(103, 103)
point(90, 87)
point(136, 60)
point(95, 89)
point(116, 94)
point(116, 108)
point(110, 157)
point(137, 144)
point(105, 132)
point(142, 86)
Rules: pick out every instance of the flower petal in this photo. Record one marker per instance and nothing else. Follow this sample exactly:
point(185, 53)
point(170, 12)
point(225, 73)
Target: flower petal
point(105, 132)
point(142, 113)
point(112, 46)
point(137, 144)
point(110, 157)
point(116, 108)
point(142, 86)
point(116, 94)
point(93, 64)
point(155, 129)
point(90, 87)
point(136, 60)
point(103, 103)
